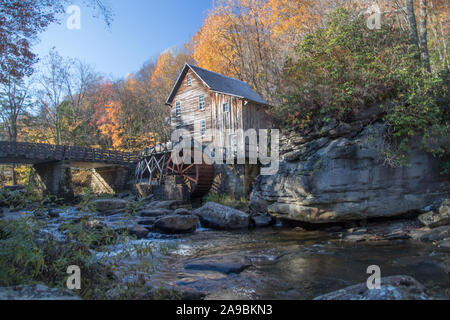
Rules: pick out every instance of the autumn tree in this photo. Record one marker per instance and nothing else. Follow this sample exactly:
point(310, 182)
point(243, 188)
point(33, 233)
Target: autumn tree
point(251, 39)
point(167, 68)
point(438, 25)
point(20, 23)
point(134, 114)
point(63, 88)
point(14, 103)
point(103, 96)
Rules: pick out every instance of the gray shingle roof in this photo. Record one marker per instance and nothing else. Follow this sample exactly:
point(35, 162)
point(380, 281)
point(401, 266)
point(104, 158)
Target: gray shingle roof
point(219, 83)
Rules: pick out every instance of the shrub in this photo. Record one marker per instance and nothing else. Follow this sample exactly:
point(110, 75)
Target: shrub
point(28, 256)
point(344, 68)
point(87, 197)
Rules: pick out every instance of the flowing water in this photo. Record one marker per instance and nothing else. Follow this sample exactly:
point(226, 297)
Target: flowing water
point(284, 263)
point(290, 264)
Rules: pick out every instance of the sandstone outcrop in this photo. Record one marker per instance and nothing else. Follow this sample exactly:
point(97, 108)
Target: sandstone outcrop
point(339, 174)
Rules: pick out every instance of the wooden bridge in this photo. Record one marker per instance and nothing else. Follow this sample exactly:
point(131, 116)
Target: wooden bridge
point(36, 153)
point(53, 164)
point(111, 169)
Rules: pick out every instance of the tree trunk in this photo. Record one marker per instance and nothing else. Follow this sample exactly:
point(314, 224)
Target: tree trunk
point(414, 39)
point(424, 36)
point(13, 138)
point(14, 177)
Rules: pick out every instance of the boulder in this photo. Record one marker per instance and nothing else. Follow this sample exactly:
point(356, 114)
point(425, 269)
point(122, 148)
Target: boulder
point(333, 178)
point(54, 213)
point(167, 204)
point(154, 212)
point(139, 231)
point(224, 264)
point(177, 224)
point(445, 207)
point(217, 216)
point(434, 220)
point(146, 221)
point(431, 234)
point(36, 292)
point(392, 288)
point(261, 221)
point(182, 212)
point(444, 244)
point(107, 205)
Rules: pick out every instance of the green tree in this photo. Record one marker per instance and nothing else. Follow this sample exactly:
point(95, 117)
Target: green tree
point(345, 68)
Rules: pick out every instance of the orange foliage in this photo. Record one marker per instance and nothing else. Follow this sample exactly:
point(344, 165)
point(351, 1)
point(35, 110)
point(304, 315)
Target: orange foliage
point(251, 39)
point(214, 33)
point(109, 124)
point(107, 114)
point(167, 68)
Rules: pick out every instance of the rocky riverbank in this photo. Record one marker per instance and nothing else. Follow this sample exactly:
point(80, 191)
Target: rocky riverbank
point(146, 249)
point(339, 173)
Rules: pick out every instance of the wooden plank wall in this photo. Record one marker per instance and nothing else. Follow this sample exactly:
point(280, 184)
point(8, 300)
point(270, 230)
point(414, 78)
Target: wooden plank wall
point(224, 121)
point(255, 116)
point(250, 116)
point(190, 112)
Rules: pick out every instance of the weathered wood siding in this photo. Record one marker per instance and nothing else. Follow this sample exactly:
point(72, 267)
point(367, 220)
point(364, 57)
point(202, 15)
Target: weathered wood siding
point(226, 123)
point(256, 116)
point(191, 115)
point(240, 115)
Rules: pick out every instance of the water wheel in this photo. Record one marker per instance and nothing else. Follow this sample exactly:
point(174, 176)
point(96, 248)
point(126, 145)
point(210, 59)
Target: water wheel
point(197, 177)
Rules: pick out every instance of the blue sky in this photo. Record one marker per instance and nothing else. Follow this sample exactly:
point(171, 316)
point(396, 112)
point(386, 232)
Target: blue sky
point(141, 30)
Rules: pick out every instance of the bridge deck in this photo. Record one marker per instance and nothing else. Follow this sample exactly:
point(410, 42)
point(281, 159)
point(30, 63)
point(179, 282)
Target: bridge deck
point(34, 153)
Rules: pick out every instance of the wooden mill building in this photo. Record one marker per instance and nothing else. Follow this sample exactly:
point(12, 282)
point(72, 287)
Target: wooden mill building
point(202, 100)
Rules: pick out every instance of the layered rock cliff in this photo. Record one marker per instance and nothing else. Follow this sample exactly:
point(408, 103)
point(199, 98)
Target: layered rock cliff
point(338, 174)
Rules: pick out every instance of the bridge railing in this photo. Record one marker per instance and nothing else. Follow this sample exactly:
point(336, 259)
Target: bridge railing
point(47, 152)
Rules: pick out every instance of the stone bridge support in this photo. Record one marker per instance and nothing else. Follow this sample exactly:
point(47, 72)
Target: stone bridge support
point(55, 178)
point(109, 180)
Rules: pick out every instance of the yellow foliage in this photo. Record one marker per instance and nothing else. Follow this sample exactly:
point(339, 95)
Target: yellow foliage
point(168, 66)
point(251, 39)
